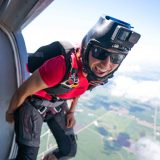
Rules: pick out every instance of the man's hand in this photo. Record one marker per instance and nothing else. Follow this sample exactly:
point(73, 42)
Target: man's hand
point(9, 117)
point(70, 120)
point(50, 157)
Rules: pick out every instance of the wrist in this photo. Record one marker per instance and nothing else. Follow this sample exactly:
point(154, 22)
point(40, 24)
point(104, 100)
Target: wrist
point(69, 112)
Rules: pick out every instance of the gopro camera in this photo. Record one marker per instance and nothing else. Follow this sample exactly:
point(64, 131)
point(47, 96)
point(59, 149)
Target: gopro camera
point(124, 38)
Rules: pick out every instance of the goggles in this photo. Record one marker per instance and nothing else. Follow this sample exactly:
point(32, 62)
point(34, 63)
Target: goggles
point(102, 54)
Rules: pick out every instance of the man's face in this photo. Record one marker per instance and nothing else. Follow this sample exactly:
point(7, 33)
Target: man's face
point(100, 67)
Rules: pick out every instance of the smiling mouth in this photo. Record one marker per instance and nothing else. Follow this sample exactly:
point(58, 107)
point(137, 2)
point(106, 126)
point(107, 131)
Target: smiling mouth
point(100, 71)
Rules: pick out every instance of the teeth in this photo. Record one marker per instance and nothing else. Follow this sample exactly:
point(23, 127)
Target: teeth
point(100, 69)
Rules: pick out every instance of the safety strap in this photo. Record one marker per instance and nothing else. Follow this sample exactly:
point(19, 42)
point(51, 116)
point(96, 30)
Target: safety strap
point(43, 105)
point(49, 104)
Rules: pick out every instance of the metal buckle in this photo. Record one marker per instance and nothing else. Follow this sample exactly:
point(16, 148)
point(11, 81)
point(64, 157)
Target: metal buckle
point(57, 109)
point(42, 109)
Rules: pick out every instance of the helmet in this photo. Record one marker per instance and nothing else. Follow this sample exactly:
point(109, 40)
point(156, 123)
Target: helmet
point(107, 33)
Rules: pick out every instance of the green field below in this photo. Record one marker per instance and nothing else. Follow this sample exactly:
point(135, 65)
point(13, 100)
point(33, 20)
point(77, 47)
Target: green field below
point(91, 143)
point(98, 135)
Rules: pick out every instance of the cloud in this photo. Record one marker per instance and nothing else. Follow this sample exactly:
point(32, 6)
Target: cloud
point(143, 91)
point(125, 68)
point(147, 149)
point(144, 57)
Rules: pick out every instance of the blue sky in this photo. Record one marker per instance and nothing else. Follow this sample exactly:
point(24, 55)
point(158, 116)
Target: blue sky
point(71, 19)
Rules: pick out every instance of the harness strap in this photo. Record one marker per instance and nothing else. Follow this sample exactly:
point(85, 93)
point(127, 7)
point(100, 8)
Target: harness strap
point(69, 83)
point(49, 104)
point(44, 105)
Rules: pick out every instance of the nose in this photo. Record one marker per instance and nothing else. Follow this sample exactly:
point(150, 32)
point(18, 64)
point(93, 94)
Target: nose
point(107, 62)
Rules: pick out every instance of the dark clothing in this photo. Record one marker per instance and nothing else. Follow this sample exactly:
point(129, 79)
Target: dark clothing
point(26, 152)
point(28, 124)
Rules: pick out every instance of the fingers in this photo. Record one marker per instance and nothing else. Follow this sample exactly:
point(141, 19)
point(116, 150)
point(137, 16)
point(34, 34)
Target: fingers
point(70, 121)
point(69, 124)
point(9, 117)
point(50, 157)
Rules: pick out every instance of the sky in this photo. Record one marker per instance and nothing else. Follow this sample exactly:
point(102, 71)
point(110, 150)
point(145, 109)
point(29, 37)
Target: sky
point(138, 76)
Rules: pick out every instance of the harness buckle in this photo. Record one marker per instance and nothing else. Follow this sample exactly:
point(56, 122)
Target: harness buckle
point(57, 109)
point(42, 109)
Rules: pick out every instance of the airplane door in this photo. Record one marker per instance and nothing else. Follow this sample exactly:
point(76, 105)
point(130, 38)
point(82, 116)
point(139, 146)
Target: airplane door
point(14, 16)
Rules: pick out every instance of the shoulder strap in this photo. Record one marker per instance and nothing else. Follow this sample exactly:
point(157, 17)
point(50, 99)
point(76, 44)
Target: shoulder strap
point(68, 49)
point(67, 46)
